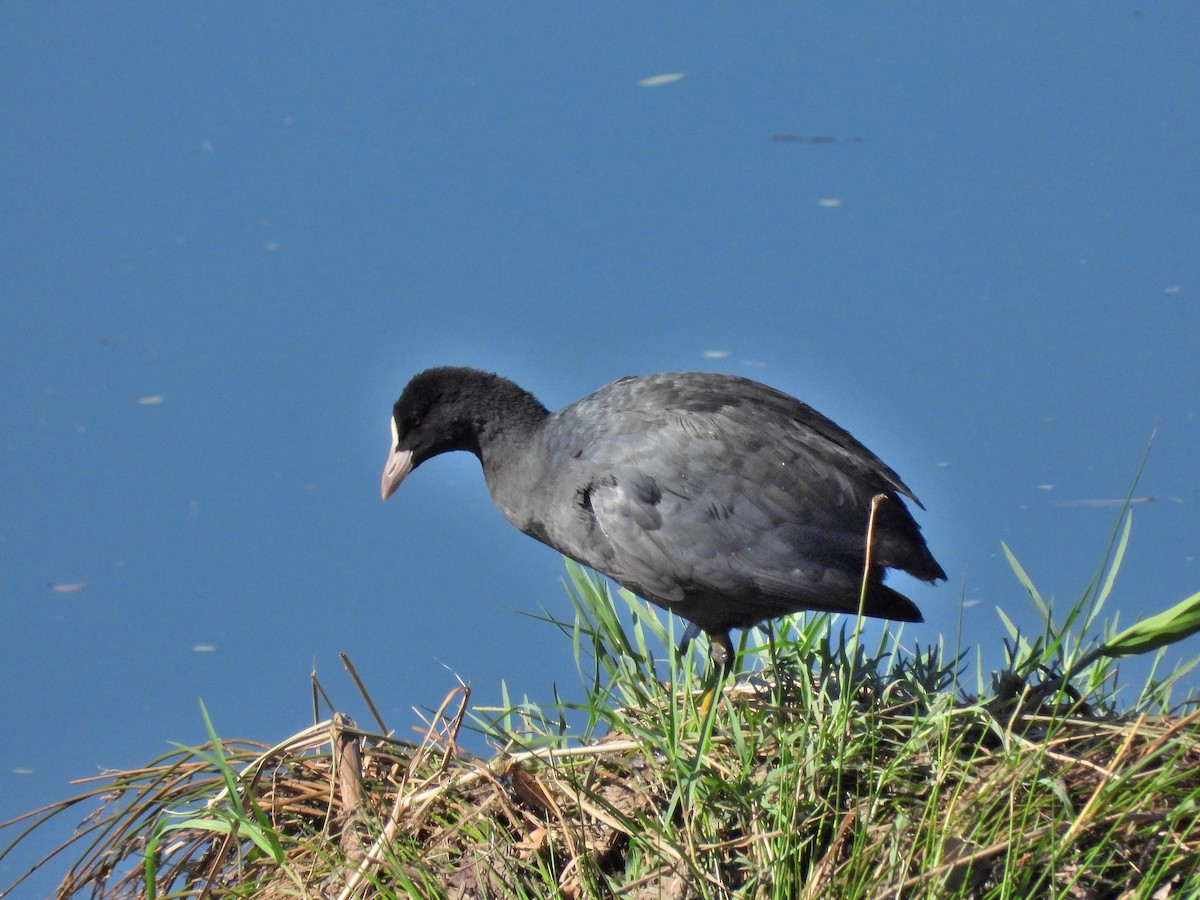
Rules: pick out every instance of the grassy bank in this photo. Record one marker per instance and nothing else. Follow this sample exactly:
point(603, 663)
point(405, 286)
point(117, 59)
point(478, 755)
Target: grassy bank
point(826, 768)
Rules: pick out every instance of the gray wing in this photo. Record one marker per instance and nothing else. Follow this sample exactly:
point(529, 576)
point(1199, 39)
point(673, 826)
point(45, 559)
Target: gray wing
point(726, 487)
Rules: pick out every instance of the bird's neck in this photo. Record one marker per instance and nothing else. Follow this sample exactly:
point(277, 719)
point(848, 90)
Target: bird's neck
point(507, 421)
point(508, 432)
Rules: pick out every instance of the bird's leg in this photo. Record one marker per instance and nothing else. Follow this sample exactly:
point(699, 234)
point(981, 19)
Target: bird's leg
point(689, 635)
point(720, 651)
point(720, 663)
point(720, 660)
point(720, 647)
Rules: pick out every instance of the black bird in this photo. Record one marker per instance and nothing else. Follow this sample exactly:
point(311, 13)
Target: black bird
point(713, 496)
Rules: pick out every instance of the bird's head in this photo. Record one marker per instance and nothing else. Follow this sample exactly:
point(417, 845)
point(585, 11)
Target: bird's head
point(433, 415)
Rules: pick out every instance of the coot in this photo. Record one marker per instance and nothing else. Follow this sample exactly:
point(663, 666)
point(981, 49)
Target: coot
point(713, 496)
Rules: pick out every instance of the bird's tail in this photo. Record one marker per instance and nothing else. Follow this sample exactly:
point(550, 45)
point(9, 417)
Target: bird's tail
point(884, 603)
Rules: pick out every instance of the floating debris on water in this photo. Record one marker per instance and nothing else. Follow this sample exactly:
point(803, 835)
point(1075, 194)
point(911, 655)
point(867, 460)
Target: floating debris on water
point(660, 80)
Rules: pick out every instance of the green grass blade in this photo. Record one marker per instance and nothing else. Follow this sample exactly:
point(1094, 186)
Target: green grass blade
point(1110, 576)
point(1180, 621)
point(1026, 581)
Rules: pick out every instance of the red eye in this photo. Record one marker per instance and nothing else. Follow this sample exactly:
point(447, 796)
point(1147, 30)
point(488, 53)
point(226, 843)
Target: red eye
point(414, 421)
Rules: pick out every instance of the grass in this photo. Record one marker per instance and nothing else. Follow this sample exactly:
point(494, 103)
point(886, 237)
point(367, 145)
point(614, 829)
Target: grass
point(827, 768)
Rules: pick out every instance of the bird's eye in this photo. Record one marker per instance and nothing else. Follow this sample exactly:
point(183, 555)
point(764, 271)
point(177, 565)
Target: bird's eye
point(414, 421)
